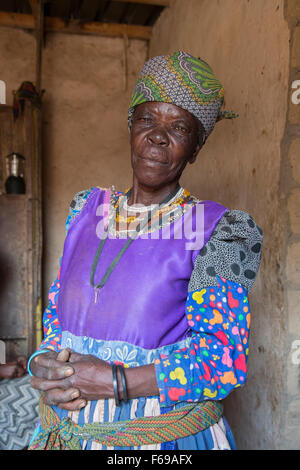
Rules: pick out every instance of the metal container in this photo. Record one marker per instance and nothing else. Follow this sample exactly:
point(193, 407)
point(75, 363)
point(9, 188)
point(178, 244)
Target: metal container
point(15, 183)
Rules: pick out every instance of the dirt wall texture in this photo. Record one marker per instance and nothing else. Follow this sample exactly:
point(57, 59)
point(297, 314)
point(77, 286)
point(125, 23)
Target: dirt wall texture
point(290, 203)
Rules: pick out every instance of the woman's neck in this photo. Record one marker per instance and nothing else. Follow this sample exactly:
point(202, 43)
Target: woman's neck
point(148, 196)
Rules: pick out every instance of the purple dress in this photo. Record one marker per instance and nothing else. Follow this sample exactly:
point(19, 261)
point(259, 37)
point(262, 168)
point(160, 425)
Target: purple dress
point(148, 310)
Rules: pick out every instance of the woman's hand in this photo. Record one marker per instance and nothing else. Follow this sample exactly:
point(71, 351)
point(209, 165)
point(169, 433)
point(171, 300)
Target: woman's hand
point(50, 371)
point(70, 385)
point(90, 379)
point(92, 376)
point(51, 365)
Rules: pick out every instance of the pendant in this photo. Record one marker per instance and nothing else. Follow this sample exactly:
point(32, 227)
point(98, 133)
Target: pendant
point(96, 294)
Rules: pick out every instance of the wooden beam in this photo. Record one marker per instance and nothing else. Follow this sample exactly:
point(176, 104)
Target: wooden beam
point(19, 20)
point(159, 3)
point(98, 28)
point(37, 7)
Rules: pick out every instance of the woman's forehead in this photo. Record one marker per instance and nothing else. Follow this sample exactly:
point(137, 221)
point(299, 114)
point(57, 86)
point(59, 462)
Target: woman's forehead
point(166, 110)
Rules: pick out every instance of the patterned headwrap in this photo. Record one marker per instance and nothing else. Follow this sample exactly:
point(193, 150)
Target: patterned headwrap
point(185, 81)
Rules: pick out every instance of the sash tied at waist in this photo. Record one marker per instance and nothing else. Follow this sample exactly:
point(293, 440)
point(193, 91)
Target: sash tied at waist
point(64, 434)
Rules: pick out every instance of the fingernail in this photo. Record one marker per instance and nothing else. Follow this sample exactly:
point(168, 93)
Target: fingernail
point(75, 395)
point(81, 404)
point(68, 371)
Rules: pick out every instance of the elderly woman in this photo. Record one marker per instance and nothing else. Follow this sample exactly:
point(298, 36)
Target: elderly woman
point(147, 327)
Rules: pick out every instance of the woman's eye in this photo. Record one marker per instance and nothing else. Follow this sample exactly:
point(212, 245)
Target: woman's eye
point(181, 129)
point(144, 119)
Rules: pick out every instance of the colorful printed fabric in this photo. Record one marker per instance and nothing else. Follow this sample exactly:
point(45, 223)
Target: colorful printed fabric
point(216, 361)
point(211, 366)
point(51, 326)
point(208, 364)
point(184, 81)
point(76, 205)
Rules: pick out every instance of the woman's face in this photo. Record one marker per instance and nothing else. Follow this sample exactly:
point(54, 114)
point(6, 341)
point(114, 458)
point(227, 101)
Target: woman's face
point(164, 138)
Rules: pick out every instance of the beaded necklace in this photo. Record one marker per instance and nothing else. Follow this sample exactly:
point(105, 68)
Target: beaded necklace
point(113, 264)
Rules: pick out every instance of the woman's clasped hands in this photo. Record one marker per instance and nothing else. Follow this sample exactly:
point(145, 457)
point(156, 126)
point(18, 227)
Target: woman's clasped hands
point(69, 380)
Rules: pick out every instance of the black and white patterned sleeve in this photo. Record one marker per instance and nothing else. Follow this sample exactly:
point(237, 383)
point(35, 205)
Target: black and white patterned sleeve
point(233, 252)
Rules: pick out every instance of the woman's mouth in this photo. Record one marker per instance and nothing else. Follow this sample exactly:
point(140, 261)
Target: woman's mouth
point(153, 160)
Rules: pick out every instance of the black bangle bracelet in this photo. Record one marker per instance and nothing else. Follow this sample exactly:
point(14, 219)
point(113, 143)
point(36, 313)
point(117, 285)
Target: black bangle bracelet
point(122, 373)
point(115, 384)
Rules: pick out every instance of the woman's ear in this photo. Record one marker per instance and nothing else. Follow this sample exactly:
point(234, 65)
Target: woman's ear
point(198, 147)
point(200, 142)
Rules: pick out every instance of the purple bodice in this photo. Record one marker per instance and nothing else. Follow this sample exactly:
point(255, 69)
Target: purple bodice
point(143, 300)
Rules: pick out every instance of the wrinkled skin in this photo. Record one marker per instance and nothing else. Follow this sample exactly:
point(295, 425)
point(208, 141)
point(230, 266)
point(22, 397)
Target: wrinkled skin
point(164, 139)
point(69, 379)
point(66, 376)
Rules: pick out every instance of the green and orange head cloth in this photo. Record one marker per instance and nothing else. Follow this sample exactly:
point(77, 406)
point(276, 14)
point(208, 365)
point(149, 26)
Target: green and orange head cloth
point(185, 81)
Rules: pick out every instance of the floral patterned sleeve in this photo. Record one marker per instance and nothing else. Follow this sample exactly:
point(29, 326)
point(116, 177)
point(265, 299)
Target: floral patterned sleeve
point(51, 325)
point(218, 315)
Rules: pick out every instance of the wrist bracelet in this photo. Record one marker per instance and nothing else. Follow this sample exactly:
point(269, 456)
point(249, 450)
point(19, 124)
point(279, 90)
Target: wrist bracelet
point(115, 384)
point(37, 353)
point(123, 378)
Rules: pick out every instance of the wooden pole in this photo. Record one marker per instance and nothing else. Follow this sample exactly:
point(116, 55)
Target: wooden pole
point(37, 7)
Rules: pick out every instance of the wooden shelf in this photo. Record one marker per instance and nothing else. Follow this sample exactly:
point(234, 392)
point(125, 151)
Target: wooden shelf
point(20, 235)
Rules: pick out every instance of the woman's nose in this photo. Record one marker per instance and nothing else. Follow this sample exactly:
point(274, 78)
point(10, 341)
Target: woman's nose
point(159, 136)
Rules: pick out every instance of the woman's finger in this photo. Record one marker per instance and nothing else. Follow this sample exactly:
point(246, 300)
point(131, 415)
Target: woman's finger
point(73, 405)
point(51, 369)
point(74, 357)
point(59, 397)
point(64, 355)
point(45, 384)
